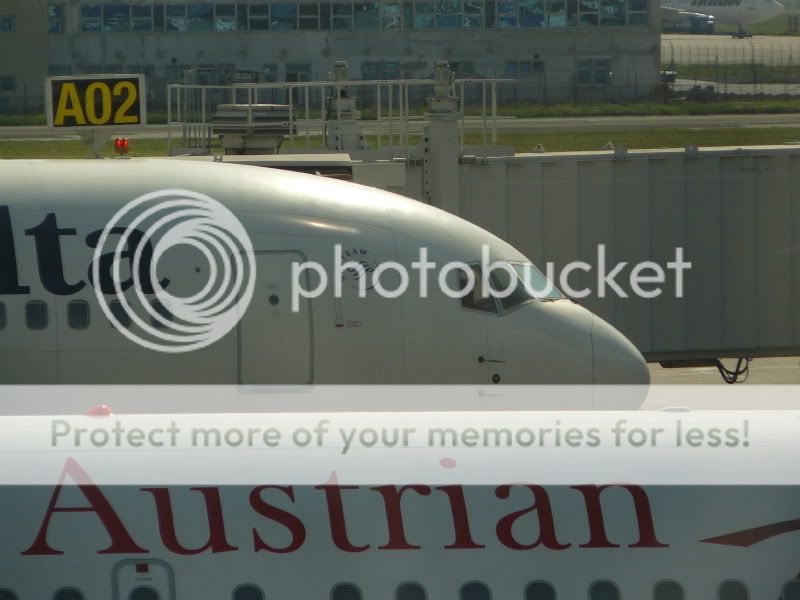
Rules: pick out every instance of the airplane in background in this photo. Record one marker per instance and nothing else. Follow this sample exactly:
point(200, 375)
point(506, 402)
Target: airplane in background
point(700, 16)
point(53, 329)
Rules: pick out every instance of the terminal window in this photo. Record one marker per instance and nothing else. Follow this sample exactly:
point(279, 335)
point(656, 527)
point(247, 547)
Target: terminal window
point(391, 15)
point(342, 15)
point(176, 17)
point(284, 16)
point(91, 17)
point(524, 69)
point(423, 15)
point(366, 15)
point(116, 17)
point(8, 83)
point(55, 18)
point(200, 17)
point(225, 17)
point(259, 17)
point(613, 12)
point(308, 16)
point(8, 24)
point(142, 17)
point(592, 71)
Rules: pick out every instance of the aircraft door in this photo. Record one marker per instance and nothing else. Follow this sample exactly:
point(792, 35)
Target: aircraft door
point(143, 579)
point(275, 342)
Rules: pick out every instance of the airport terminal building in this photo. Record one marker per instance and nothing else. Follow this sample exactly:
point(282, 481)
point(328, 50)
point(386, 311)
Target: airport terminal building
point(559, 49)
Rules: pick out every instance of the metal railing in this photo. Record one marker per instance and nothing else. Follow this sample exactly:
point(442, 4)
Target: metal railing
point(392, 109)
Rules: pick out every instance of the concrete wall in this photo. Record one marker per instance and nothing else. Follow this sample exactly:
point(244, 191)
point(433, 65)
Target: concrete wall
point(24, 54)
point(735, 212)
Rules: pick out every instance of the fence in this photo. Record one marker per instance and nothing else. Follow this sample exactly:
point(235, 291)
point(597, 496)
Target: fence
point(734, 67)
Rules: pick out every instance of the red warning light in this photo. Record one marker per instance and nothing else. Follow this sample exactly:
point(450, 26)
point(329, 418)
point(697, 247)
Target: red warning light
point(121, 146)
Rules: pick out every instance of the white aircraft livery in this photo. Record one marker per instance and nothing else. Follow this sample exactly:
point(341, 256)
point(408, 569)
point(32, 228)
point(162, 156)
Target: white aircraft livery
point(725, 12)
point(362, 542)
point(55, 214)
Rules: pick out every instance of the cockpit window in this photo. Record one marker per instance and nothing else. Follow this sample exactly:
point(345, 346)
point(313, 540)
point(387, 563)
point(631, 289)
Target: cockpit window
point(513, 284)
point(509, 288)
point(536, 283)
point(476, 299)
point(529, 284)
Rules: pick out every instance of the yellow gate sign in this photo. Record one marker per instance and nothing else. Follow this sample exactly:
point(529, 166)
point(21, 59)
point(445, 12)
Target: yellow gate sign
point(96, 101)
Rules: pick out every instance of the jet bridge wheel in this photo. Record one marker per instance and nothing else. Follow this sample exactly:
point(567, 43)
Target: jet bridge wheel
point(738, 374)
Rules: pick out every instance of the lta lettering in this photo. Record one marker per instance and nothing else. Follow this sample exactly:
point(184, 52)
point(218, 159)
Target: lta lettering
point(47, 237)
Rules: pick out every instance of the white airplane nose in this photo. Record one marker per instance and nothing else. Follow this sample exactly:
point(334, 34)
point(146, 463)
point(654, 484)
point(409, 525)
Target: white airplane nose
point(616, 359)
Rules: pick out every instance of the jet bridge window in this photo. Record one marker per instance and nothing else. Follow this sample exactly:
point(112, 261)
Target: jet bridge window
point(68, 594)
point(540, 590)
point(733, 590)
point(78, 314)
point(248, 591)
point(36, 315)
point(345, 591)
point(410, 591)
point(475, 590)
point(668, 590)
point(604, 590)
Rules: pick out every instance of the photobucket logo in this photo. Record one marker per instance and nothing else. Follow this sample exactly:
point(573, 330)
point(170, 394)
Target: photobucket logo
point(490, 278)
point(168, 220)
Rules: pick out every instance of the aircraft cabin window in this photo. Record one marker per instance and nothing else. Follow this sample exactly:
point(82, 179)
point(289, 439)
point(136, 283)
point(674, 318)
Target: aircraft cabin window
point(604, 590)
point(78, 314)
point(410, 591)
point(7, 595)
point(120, 314)
point(540, 590)
point(475, 590)
point(144, 592)
point(2, 326)
point(475, 300)
point(790, 592)
point(248, 591)
point(668, 590)
point(68, 594)
point(733, 590)
point(36, 315)
point(345, 591)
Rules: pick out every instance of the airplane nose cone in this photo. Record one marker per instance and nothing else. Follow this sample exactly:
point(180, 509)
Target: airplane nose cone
point(616, 359)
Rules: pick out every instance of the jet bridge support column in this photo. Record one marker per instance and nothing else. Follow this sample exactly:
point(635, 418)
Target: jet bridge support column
point(440, 144)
